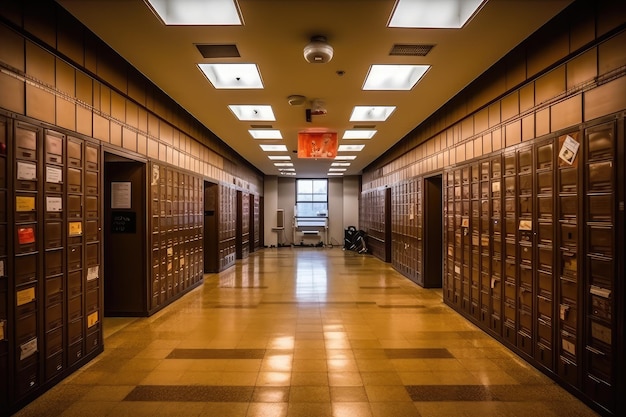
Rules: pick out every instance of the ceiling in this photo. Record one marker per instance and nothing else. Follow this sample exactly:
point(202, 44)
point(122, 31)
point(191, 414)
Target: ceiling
point(273, 36)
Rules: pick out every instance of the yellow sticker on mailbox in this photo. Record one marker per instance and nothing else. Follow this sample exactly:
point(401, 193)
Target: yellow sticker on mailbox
point(76, 228)
point(24, 203)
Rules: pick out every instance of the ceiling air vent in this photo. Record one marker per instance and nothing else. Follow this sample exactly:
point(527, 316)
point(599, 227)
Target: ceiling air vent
point(364, 127)
point(411, 50)
point(218, 51)
point(261, 126)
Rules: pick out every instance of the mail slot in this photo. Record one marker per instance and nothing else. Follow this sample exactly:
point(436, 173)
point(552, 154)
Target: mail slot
point(75, 331)
point(600, 207)
point(91, 207)
point(54, 148)
point(54, 316)
point(600, 176)
point(54, 365)
point(25, 143)
point(496, 266)
point(510, 227)
point(544, 330)
point(75, 352)
point(92, 301)
point(91, 230)
point(569, 264)
point(509, 206)
point(544, 156)
point(544, 182)
point(26, 209)
point(74, 180)
point(510, 249)
point(568, 206)
point(545, 258)
point(569, 235)
point(74, 206)
point(74, 257)
point(495, 188)
point(545, 283)
point(92, 157)
point(91, 183)
point(54, 342)
point(526, 275)
point(54, 290)
point(545, 207)
point(75, 152)
point(26, 328)
point(544, 306)
point(53, 234)
point(25, 269)
point(569, 290)
point(601, 240)
point(93, 340)
point(600, 142)
point(510, 290)
point(599, 360)
point(54, 262)
point(545, 232)
point(509, 164)
point(568, 180)
point(526, 321)
point(75, 283)
point(525, 206)
point(27, 378)
point(526, 253)
point(509, 186)
point(568, 314)
point(601, 271)
point(496, 207)
point(525, 184)
point(92, 252)
point(75, 308)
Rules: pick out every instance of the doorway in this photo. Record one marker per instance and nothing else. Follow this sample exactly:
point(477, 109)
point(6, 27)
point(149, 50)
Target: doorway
point(124, 223)
point(433, 232)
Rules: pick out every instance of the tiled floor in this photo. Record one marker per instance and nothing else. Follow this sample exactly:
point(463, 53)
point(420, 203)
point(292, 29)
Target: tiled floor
point(305, 332)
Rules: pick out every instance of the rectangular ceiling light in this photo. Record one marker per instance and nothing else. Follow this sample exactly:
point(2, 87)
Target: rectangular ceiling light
point(371, 113)
point(287, 169)
point(358, 134)
point(265, 133)
point(253, 112)
point(340, 164)
point(196, 12)
point(279, 158)
point(350, 148)
point(433, 14)
point(283, 164)
point(335, 173)
point(274, 148)
point(293, 174)
point(337, 169)
point(233, 76)
point(345, 157)
point(394, 77)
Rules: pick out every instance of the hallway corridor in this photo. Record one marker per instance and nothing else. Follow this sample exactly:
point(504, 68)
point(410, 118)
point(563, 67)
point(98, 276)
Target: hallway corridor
point(305, 332)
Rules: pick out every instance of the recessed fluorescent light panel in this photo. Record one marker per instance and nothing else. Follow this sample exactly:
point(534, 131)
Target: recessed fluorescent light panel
point(337, 170)
point(340, 164)
point(233, 76)
point(279, 158)
point(350, 148)
point(265, 133)
point(345, 157)
point(371, 113)
point(293, 174)
point(196, 12)
point(274, 148)
point(335, 173)
point(287, 169)
point(358, 134)
point(433, 14)
point(255, 113)
point(283, 164)
point(394, 77)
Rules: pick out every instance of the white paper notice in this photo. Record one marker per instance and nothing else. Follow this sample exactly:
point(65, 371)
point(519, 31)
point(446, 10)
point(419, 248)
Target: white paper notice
point(27, 349)
point(92, 273)
point(26, 171)
point(54, 204)
point(120, 195)
point(569, 150)
point(54, 175)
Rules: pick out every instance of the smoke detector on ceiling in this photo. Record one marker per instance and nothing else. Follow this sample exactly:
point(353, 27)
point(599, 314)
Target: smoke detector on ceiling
point(296, 100)
point(318, 51)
